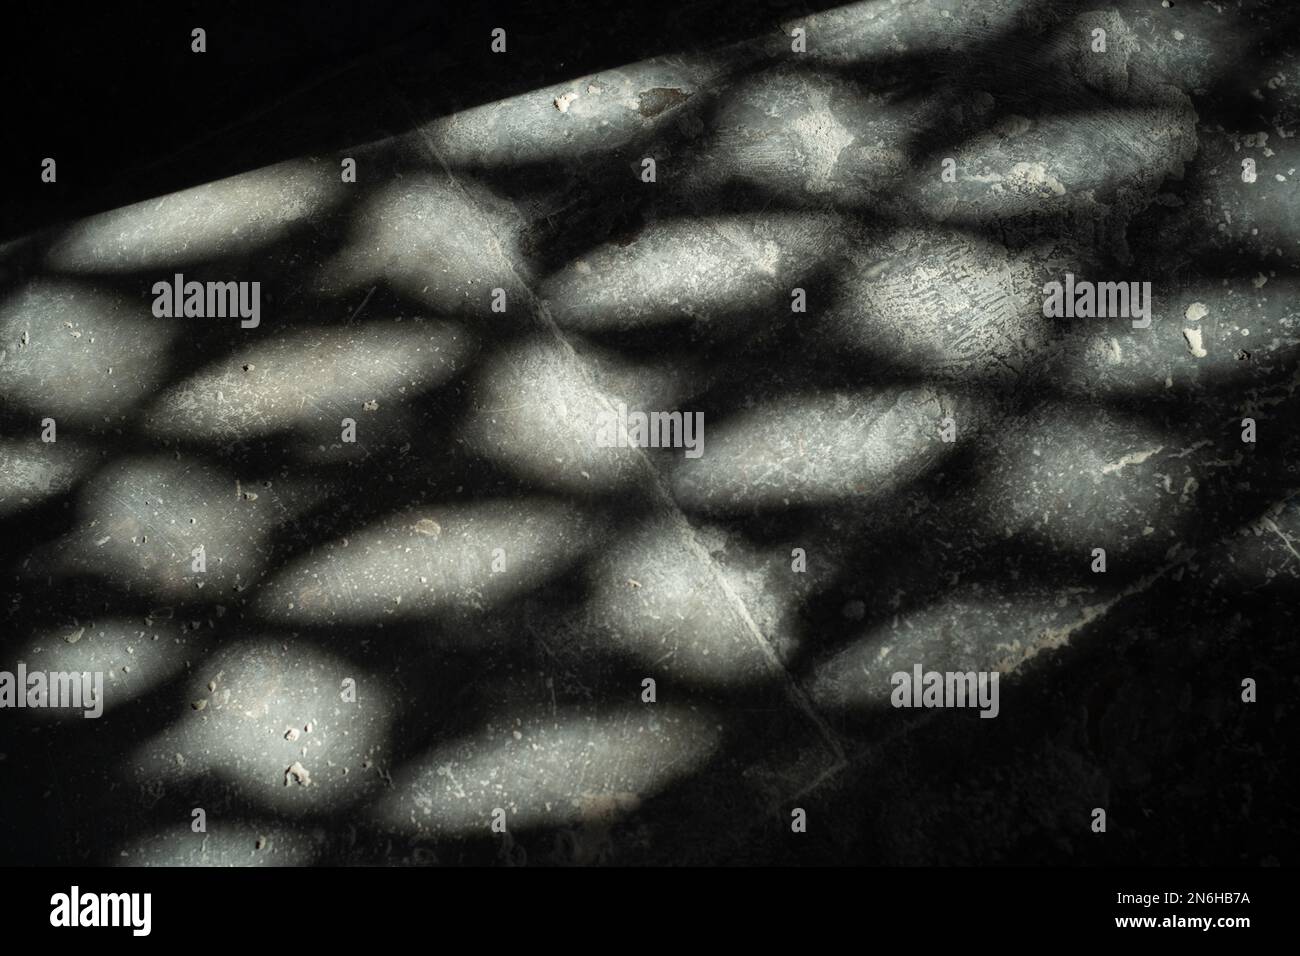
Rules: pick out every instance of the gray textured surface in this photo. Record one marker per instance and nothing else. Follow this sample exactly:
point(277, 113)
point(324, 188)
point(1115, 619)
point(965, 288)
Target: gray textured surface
point(520, 689)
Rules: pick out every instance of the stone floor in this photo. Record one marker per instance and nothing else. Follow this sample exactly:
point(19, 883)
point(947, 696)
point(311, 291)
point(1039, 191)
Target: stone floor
point(397, 640)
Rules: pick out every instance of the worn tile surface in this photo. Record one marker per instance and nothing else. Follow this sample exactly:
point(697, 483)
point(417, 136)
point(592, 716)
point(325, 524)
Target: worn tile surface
point(454, 615)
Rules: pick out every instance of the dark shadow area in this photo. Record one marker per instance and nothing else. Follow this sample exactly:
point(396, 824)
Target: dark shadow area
point(130, 111)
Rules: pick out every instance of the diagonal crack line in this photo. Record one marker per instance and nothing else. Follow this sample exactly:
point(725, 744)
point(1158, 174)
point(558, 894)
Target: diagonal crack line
point(1059, 637)
point(1054, 638)
point(1272, 526)
point(662, 493)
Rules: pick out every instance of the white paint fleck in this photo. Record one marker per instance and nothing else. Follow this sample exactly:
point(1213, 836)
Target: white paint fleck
point(1133, 458)
point(1193, 338)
